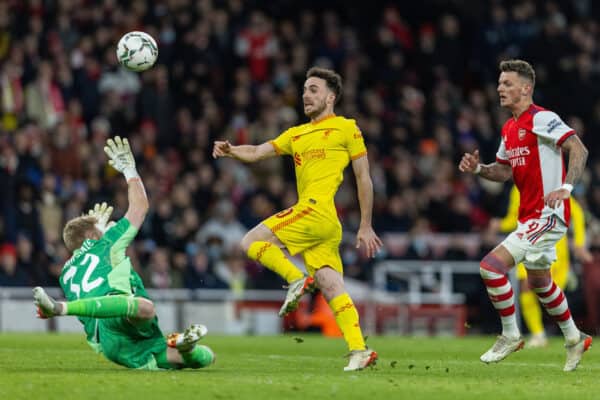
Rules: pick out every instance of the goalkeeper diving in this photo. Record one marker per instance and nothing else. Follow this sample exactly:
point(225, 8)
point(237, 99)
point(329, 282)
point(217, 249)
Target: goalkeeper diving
point(107, 295)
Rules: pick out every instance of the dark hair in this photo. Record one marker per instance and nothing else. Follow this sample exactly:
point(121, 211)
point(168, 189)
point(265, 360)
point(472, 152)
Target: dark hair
point(332, 78)
point(522, 68)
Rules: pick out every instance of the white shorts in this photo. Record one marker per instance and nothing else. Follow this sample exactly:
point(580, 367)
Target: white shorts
point(533, 242)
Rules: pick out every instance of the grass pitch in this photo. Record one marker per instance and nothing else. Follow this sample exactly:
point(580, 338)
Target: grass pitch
point(48, 366)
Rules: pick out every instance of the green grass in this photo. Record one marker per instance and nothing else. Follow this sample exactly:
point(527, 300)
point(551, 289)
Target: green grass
point(38, 366)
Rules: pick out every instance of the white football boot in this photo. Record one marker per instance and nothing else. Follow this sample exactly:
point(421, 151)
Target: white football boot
point(185, 341)
point(575, 351)
point(360, 359)
point(502, 348)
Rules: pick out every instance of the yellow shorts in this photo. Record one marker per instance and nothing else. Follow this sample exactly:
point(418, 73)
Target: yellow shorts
point(559, 269)
point(313, 231)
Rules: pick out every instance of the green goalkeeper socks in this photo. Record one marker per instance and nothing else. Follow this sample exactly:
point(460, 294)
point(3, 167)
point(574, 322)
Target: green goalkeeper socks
point(103, 307)
point(199, 357)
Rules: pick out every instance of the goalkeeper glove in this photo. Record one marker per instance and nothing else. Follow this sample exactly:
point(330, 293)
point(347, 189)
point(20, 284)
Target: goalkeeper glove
point(120, 157)
point(102, 214)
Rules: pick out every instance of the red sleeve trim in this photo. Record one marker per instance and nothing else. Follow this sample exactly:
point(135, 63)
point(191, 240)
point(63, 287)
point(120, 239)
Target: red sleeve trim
point(359, 155)
point(501, 161)
point(565, 137)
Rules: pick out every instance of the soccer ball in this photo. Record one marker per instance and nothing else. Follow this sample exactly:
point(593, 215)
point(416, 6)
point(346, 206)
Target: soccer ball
point(137, 51)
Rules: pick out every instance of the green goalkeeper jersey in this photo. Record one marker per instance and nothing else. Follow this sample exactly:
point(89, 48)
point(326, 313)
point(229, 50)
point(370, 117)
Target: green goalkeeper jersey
point(101, 268)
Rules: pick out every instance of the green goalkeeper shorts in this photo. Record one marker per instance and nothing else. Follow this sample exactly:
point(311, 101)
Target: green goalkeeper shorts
point(131, 345)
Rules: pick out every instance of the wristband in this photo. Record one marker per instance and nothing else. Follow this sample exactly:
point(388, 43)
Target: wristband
point(130, 173)
point(477, 169)
point(568, 187)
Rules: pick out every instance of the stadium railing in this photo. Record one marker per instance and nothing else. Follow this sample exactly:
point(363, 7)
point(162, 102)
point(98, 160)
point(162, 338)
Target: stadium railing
point(427, 304)
point(424, 300)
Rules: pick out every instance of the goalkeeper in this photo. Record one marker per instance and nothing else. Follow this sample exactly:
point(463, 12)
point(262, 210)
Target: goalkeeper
point(530, 307)
point(107, 295)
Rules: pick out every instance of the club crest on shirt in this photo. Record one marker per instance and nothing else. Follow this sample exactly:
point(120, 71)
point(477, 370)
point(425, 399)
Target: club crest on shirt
point(522, 133)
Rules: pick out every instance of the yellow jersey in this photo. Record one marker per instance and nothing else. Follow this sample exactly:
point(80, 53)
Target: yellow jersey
point(321, 151)
point(509, 222)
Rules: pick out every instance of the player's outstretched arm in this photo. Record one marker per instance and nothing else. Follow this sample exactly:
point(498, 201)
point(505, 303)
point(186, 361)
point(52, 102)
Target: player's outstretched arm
point(493, 172)
point(245, 153)
point(578, 155)
point(366, 235)
point(121, 159)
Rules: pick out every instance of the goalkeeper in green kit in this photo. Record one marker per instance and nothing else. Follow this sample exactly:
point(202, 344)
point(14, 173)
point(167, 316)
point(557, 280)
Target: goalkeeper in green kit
point(107, 295)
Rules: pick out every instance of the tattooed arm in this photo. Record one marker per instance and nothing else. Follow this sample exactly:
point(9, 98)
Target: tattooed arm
point(577, 157)
point(496, 172)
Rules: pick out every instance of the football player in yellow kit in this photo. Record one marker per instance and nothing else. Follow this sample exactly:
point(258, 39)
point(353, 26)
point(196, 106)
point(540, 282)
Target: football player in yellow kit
point(321, 150)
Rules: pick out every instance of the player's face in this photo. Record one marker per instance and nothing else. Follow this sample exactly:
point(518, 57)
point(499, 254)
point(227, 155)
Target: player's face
point(316, 97)
point(512, 89)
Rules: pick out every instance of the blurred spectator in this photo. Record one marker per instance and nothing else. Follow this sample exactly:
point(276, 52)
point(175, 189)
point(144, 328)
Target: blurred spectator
point(160, 274)
point(223, 225)
point(419, 248)
point(45, 103)
point(199, 273)
point(232, 270)
point(10, 272)
point(257, 44)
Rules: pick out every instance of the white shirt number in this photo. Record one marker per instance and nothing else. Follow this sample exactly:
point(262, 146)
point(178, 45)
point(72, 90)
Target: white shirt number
point(90, 261)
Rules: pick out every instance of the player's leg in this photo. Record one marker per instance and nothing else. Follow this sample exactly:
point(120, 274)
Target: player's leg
point(493, 270)
point(263, 246)
point(96, 307)
point(331, 284)
point(531, 310)
point(292, 228)
point(199, 356)
point(537, 262)
point(184, 352)
point(530, 305)
point(130, 343)
point(143, 346)
point(324, 262)
point(555, 302)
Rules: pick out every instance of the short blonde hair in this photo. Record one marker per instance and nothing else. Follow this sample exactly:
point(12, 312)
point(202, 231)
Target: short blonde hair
point(522, 68)
point(76, 230)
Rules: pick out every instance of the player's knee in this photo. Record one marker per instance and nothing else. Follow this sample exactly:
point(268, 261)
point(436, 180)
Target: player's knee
point(539, 279)
point(146, 309)
point(246, 242)
point(492, 264)
point(330, 282)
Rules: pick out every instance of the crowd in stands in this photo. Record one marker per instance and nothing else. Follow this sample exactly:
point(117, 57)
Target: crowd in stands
point(420, 80)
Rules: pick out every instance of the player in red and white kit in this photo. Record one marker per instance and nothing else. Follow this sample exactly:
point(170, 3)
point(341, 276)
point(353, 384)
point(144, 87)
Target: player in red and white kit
point(531, 151)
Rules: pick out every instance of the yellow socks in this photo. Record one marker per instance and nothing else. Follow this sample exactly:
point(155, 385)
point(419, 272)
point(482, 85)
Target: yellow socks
point(346, 317)
point(532, 312)
point(273, 258)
